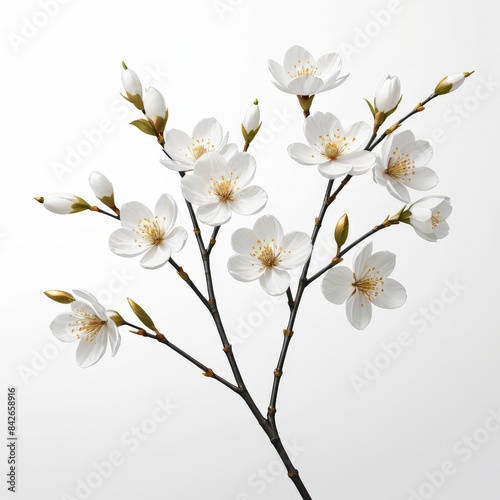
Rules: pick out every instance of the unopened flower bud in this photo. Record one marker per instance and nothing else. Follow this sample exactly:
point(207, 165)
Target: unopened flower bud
point(251, 123)
point(451, 82)
point(132, 86)
point(63, 203)
point(103, 189)
point(60, 296)
point(342, 230)
point(387, 99)
point(156, 109)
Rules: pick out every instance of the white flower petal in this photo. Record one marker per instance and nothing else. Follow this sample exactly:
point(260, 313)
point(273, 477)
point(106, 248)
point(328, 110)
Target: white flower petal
point(306, 85)
point(419, 151)
point(166, 211)
point(243, 240)
point(360, 161)
point(423, 179)
point(444, 208)
point(441, 230)
point(334, 82)
point(133, 212)
point(249, 201)
point(306, 155)
point(277, 72)
point(274, 281)
point(98, 309)
point(318, 126)
point(362, 255)
point(334, 169)
point(211, 166)
point(210, 130)
point(228, 151)
point(177, 145)
point(114, 337)
point(357, 135)
point(337, 284)
point(397, 190)
point(384, 262)
point(296, 57)
point(176, 166)
point(359, 311)
point(282, 87)
point(393, 295)
point(176, 239)
point(214, 214)
point(89, 353)
point(242, 166)
point(296, 250)
point(63, 326)
point(329, 65)
point(157, 256)
point(243, 268)
point(195, 189)
point(268, 228)
point(126, 243)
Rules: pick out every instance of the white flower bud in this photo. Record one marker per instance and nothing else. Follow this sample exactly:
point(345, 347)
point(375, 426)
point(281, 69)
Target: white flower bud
point(388, 95)
point(251, 123)
point(102, 187)
point(63, 203)
point(132, 86)
point(451, 82)
point(156, 109)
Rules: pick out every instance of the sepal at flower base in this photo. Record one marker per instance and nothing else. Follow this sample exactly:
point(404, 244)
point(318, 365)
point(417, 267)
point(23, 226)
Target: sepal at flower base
point(116, 317)
point(451, 82)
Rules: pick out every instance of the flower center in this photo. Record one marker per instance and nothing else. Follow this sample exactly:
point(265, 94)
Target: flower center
point(151, 231)
point(401, 168)
point(223, 189)
point(435, 219)
point(331, 150)
point(301, 69)
point(87, 326)
point(369, 284)
point(199, 148)
point(268, 254)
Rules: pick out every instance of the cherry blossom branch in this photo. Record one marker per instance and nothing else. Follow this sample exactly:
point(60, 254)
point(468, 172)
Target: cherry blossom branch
point(372, 145)
point(100, 211)
point(207, 372)
point(187, 279)
point(338, 258)
point(288, 331)
point(213, 239)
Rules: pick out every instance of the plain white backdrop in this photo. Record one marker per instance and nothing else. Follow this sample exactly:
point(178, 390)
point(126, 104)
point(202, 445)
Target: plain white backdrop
point(172, 433)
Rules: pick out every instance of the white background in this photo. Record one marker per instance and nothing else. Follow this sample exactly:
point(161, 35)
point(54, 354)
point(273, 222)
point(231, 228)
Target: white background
point(61, 80)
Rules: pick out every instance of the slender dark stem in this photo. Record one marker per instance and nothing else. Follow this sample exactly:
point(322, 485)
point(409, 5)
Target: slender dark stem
point(100, 211)
point(187, 279)
point(290, 298)
point(417, 109)
point(288, 332)
point(208, 372)
point(213, 239)
point(338, 258)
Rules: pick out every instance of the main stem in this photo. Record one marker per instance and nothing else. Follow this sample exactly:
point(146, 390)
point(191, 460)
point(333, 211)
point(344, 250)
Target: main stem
point(267, 426)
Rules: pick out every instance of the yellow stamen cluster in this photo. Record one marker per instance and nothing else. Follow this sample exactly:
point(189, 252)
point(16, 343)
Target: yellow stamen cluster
point(302, 69)
point(435, 219)
point(199, 148)
point(334, 145)
point(400, 166)
point(369, 284)
point(151, 231)
point(225, 188)
point(87, 326)
point(268, 254)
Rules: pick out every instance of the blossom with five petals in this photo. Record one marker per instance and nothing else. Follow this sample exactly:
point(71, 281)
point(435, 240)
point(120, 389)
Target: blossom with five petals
point(183, 151)
point(89, 323)
point(266, 254)
point(220, 187)
point(336, 151)
point(368, 284)
point(402, 166)
point(302, 75)
point(143, 232)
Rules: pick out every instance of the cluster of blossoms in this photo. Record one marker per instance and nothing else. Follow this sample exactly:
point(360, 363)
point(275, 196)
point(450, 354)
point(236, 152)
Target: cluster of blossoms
point(217, 180)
